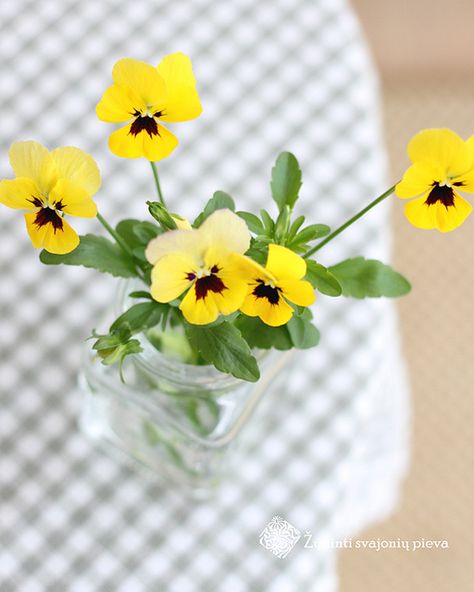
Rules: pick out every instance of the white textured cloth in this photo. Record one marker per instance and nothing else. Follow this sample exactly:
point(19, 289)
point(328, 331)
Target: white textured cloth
point(326, 453)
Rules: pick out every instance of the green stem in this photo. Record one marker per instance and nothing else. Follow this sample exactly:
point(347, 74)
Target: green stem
point(349, 222)
point(121, 243)
point(157, 183)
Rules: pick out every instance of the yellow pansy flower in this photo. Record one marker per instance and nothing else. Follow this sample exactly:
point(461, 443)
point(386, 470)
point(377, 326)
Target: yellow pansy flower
point(50, 185)
point(443, 164)
point(271, 287)
point(204, 263)
point(143, 96)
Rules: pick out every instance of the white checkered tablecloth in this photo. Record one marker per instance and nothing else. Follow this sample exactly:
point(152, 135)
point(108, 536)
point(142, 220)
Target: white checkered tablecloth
point(326, 454)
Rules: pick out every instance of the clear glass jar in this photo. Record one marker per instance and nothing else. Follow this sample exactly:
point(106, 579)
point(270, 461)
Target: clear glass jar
point(179, 420)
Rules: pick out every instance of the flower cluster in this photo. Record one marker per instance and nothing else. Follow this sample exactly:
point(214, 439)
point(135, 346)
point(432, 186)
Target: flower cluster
point(229, 282)
point(208, 263)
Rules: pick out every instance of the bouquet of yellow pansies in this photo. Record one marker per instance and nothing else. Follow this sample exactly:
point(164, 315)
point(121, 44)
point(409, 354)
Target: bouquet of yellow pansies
point(230, 282)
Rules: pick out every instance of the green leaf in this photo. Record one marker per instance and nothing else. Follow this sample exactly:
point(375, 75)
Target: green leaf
point(261, 336)
point(139, 317)
point(96, 252)
point(268, 223)
point(302, 332)
point(253, 222)
point(297, 223)
point(286, 180)
point(219, 201)
point(312, 232)
point(361, 278)
point(137, 233)
point(225, 348)
point(141, 294)
point(146, 231)
point(321, 279)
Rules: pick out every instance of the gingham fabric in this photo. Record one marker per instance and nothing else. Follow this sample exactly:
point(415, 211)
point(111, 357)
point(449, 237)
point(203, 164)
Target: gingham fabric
point(325, 453)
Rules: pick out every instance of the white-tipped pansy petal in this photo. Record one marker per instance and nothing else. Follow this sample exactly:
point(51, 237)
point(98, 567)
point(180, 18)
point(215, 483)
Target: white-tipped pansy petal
point(225, 230)
point(176, 241)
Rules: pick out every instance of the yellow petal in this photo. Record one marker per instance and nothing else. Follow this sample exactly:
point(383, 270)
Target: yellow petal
point(466, 182)
point(185, 242)
point(225, 231)
point(73, 200)
point(19, 193)
point(284, 264)
point(420, 214)
point(418, 179)
point(235, 292)
point(453, 216)
point(274, 315)
point(181, 223)
point(170, 277)
point(250, 269)
point(142, 78)
point(127, 145)
point(77, 166)
point(55, 240)
point(199, 311)
point(299, 292)
point(182, 102)
point(160, 146)
point(250, 306)
point(118, 104)
point(443, 147)
point(31, 159)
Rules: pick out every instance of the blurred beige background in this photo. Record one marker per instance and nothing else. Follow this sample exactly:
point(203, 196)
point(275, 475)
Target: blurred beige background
point(425, 52)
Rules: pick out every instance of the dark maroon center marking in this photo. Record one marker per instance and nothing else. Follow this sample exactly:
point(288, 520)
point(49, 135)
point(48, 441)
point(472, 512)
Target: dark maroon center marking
point(145, 123)
point(441, 193)
point(209, 283)
point(48, 216)
point(36, 201)
point(264, 291)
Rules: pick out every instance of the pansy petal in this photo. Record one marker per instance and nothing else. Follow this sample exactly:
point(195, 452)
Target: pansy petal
point(465, 182)
point(72, 199)
point(299, 292)
point(77, 166)
point(127, 145)
point(418, 179)
point(142, 78)
point(249, 269)
point(420, 214)
point(19, 193)
point(284, 264)
point(123, 143)
point(185, 242)
point(250, 306)
point(182, 101)
point(55, 240)
point(274, 315)
point(160, 146)
point(453, 216)
point(234, 293)
point(226, 231)
point(444, 147)
point(31, 159)
point(170, 277)
point(199, 311)
point(118, 104)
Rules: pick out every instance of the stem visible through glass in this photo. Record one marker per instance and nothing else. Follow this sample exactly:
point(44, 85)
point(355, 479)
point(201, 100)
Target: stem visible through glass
point(349, 222)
